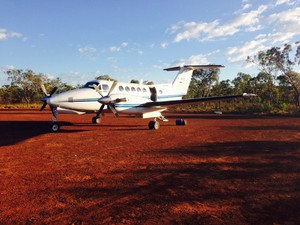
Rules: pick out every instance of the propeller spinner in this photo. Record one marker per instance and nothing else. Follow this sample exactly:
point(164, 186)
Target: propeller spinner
point(106, 100)
point(47, 96)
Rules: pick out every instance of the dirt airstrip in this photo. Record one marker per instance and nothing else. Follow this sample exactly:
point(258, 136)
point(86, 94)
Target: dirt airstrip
point(219, 169)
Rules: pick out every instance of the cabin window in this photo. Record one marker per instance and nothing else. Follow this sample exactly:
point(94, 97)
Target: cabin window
point(90, 85)
point(138, 89)
point(105, 87)
point(133, 89)
point(127, 88)
point(121, 88)
point(144, 90)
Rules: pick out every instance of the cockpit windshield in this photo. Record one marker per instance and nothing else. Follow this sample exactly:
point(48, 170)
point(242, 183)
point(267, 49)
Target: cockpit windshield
point(91, 84)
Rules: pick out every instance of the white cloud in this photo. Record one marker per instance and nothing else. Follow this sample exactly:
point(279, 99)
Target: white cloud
point(124, 44)
point(114, 49)
point(282, 28)
point(240, 53)
point(118, 48)
point(87, 49)
point(6, 68)
point(249, 22)
point(88, 52)
point(164, 44)
point(281, 2)
point(285, 25)
point(192, 60)
point(5, 34)
point(247, 6)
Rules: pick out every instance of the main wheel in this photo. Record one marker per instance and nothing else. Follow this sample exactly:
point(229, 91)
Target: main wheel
point(55, 127)
point(96, 120)
point(153, 125)
point(181, 122)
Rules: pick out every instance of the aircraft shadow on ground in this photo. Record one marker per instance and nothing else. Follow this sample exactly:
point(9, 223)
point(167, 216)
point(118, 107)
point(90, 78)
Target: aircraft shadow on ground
point(213, 116)
point(245, 181)
point(13, 132)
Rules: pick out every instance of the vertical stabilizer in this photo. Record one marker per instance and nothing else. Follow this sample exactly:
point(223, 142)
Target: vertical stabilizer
point(182, 81)
point(184, 76)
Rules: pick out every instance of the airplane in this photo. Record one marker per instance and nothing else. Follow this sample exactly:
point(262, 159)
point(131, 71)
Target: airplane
point(145, 101)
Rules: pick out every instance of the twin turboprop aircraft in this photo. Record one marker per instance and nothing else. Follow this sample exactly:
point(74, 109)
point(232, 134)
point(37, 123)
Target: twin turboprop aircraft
point(145, 101)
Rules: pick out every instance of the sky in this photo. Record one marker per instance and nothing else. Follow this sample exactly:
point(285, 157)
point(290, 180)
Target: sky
point(78, 40)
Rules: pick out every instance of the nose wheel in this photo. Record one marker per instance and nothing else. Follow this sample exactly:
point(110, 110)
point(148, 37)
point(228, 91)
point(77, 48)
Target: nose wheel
point(96, 120)
point(153, 125)
point(54, 126)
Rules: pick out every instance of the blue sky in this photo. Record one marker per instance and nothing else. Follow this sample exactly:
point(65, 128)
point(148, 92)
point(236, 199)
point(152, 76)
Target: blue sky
point(78, 40)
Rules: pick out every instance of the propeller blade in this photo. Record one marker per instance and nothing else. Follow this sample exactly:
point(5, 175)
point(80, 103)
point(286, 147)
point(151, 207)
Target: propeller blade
point(53, 91)
point(44, 89)
point(114, 111)
point(100, 110)
point(97, 89)
point(44, 105)
point(112, 87)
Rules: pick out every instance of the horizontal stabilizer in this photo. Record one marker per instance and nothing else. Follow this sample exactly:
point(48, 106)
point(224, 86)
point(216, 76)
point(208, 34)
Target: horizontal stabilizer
point(193, 67)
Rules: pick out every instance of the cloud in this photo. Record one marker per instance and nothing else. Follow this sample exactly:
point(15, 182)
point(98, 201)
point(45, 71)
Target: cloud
point(6, 68)
point(192, 60)
point(118, 48)
point(205, 31)
point(240, 53)
point(88, 52)
point(114, 49)
point(285, 26)
point(124, 44)
point(287, 2)
point(5, 34)
point(87, 49)
point(164, 44)
point(286, 22)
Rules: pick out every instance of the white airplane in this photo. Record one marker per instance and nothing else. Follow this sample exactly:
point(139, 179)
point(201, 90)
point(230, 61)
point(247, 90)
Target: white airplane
point(145, 101)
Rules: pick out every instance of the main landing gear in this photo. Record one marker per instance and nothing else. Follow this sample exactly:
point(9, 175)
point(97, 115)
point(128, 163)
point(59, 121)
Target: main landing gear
point(154, 125)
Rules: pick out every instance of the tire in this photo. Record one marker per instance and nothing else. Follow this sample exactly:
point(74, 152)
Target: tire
point(153, 125)
point(181, 122)
point(55, 127)
point(96, 120)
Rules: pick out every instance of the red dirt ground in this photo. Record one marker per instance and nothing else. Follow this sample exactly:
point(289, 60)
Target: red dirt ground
point(219, 169)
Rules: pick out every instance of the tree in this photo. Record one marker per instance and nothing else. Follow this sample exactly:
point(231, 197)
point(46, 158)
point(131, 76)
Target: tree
point(278, 60)
point(105, 77)
point(222, 88)
point(202, 82)
point(242, 83)
point(134, 82)
point(148, 82)
point(28, 82)
point(10, 94)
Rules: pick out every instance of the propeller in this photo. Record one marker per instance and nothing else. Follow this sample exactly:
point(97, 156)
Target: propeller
point(106, 100)
point(47, 96)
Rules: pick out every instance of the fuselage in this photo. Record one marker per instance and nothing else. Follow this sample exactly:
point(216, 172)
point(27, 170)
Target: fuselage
point(85, 99)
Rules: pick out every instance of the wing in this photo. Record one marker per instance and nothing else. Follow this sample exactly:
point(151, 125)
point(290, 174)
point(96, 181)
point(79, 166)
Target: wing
point(195, 100)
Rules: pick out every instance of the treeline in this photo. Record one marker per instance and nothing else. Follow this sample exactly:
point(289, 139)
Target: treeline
point(277, 85)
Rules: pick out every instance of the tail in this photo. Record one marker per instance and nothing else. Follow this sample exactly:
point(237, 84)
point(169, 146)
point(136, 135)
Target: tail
point(182, 81)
